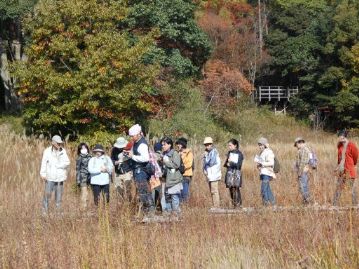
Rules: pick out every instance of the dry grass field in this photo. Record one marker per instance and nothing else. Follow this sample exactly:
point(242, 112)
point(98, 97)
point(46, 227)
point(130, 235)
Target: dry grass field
point(109, 239)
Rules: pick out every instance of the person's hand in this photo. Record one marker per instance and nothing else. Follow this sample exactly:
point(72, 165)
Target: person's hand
point(129, 154)
point(43, 178)
point(103, 169)
point(117, 162)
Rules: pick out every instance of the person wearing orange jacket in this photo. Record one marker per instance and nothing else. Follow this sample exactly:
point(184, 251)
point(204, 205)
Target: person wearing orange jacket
point(187, 159)
point(346, 169)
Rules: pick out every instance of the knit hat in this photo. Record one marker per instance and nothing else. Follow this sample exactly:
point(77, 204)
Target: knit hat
point(208, 140)
point(57, 139)
point(298, 139)
point(98, 148)
point(121, 142)
point(135, 130)
point(263, 141)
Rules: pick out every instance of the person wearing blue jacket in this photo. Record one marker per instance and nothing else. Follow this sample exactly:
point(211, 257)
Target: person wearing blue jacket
point(100, 168)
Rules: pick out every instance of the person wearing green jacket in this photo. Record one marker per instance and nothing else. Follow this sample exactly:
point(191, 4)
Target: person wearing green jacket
point(171, 168)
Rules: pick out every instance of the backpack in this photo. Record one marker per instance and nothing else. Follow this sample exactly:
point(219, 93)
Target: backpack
point(181, 168)
point(149, 169)
point(276, 166)
point(313, 159)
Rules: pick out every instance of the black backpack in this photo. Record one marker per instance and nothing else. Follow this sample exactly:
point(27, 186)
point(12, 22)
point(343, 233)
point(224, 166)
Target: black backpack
point(181, 168)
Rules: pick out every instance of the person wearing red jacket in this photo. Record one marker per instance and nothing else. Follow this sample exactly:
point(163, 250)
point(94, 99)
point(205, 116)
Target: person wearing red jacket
point(346, 169)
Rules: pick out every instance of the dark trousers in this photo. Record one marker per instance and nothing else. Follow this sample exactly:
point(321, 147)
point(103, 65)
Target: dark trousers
point(143, 190)
point(98, 189)
point(236, 197)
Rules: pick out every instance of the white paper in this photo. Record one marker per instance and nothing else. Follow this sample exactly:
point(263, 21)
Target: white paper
point(233, 157)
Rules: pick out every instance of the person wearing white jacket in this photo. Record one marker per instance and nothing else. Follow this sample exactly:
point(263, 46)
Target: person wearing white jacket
point(212, 169)
point(265, 165)
point(100, 168)
point(54, 166)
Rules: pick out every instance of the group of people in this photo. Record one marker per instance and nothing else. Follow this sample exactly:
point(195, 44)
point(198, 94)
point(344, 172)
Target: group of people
point(163, 173)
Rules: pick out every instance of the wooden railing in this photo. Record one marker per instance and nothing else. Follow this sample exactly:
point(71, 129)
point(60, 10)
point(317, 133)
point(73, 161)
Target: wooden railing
point(274, 93)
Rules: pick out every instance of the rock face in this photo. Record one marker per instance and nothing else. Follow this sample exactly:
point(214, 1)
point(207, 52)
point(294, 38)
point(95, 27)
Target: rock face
point(9, 51)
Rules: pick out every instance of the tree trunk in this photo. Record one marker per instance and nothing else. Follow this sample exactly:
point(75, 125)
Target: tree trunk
point(260, 29)
point(10, 50)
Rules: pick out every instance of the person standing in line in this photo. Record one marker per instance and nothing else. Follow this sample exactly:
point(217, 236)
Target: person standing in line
point(234, 177)
point(123, 169)
point(155, 180)
point(140, 157)
point(188, 161)
point(346, 169)
point(212, 170)
point(159, 157)
point(53, 171)
point(171, 165)
point(82, 173)
point(302, 168)
point(100, 167)
point(265, 165)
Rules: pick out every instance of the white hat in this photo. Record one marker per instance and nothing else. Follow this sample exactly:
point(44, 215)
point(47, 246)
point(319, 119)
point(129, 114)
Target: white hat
point(208, 140)
point(135, 130)
point(57, 139)
point(121, 142)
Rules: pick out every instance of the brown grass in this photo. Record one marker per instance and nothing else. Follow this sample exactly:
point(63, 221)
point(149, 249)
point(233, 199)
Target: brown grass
point(111, 240)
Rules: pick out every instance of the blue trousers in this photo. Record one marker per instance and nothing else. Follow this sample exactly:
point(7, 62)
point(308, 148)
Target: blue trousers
point(304, 187)
point(267, 195)
point(173, 202)
point(185, 190)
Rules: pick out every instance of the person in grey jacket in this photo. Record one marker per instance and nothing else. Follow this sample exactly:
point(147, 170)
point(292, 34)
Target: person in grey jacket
point(82, 172)
point(171, 165)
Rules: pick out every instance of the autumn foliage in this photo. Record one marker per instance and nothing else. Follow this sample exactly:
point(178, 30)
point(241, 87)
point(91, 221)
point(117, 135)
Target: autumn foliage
point(231, 25)
point(223, 85)
point(83, 75)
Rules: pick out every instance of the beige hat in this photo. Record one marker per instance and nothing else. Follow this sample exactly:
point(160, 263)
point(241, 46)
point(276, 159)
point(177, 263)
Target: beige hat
point(263, 141)
point(298, 139)
point(208, 140)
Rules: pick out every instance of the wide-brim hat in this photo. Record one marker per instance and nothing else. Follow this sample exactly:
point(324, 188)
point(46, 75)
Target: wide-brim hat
point(98, 148)
point(298, 139)
point(121, 142)
point(208, 140)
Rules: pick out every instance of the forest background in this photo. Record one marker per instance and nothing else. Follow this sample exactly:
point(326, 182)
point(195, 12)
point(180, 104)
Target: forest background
point(93, 68)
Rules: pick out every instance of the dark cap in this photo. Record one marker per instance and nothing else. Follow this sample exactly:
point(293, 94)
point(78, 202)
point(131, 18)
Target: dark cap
point(157, 147)
point(98, 147)
point(343, 133)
